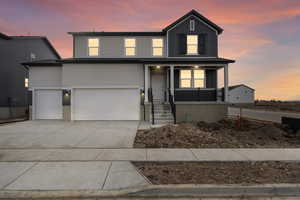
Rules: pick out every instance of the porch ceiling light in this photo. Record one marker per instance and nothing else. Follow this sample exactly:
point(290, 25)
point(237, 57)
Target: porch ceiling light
point(196, 66)
point(157, 67)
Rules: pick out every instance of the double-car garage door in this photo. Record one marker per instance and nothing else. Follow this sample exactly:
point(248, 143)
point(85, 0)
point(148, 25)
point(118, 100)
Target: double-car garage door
point(90, 104)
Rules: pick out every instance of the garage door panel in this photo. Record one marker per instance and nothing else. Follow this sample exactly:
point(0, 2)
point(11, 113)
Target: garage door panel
point(106, 104)
point(48, 104)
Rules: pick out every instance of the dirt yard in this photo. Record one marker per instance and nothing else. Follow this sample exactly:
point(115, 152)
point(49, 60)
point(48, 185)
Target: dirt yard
point(228, 133)
point(221, 172)
point(273, 106)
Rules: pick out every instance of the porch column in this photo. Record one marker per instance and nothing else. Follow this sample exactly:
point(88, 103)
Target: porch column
point(226, 83)
point(146, 82)
point(172, 80)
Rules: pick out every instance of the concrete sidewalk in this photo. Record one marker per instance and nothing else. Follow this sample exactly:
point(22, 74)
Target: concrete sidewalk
point(96, 175)
point(67, 155)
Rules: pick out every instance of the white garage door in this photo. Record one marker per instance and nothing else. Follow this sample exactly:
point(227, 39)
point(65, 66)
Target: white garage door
point(106, 104)
point(48, 104)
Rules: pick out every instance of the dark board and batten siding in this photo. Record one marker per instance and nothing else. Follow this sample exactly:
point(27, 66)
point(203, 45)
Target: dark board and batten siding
point(207, 43)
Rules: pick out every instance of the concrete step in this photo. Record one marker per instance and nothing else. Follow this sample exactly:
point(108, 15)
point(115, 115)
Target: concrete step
point(162, 108)
point(163, 115)
point(164, 121)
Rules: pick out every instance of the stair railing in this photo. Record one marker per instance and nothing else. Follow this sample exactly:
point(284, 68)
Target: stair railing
point(150, 99)
point(173, 106)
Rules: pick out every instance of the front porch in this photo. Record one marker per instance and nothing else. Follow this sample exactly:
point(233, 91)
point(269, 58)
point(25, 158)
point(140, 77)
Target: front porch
point(165, 80)
point(188, 92)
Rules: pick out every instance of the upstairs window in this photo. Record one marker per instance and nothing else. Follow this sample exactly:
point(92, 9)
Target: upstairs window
point(93, 46)
point(192, 44)
point(130, 45)
point(192, 78)
point(157, 47)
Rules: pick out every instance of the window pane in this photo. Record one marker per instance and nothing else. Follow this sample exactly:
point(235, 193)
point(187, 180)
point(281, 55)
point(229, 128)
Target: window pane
point(192, 49)
point(199, 73)
point(192, 39)
point(198, 83)
point(93, 42)
point(185, 74)
point(185, 83)
point(130, 42)
point(157, 51)
point(157, 42)
point(93, 51)
point(130, 51)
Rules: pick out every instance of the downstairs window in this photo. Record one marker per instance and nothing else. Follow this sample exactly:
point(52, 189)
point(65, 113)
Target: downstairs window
point(192, 78)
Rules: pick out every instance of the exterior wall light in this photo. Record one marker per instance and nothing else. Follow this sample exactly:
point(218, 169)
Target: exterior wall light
point(26, 83)
point(157, 67)
point(142, 94)
point(196, 66)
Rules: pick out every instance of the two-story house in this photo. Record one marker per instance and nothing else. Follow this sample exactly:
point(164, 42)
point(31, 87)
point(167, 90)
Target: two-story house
point(153, 76)
point(13, 77)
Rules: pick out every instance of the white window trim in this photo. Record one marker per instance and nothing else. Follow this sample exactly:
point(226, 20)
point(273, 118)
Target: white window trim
point(192, 44)
point(88, 49)
point(135, 51)
point(192, 79)
point(162, 48)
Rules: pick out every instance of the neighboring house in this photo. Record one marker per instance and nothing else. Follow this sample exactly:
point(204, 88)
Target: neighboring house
point(241, 94)
point(153, 76)
point(13, 77)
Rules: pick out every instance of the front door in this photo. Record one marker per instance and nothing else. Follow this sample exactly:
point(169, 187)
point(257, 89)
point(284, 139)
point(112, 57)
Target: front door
point(158, 84)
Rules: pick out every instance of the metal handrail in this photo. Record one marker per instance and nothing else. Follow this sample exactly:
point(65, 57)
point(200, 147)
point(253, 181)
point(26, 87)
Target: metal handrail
point(150, 99)
point(173, 106)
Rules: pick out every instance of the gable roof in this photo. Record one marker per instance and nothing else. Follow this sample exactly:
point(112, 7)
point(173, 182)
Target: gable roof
point(236, 86)
point(44, 39)
point(198, 15)
point(163, 32)
point(3, 36)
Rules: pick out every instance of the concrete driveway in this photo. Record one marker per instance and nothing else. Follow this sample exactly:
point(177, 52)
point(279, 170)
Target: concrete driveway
point(61, 134)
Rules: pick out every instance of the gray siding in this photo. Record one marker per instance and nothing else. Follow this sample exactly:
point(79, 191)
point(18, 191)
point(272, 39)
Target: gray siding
point(102, 75)
point(211, 38)
point(113, 46)
point(12, 74)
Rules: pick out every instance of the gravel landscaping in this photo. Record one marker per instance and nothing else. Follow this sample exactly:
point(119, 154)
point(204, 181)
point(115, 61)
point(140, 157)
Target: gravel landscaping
point(228, 133)
point(220, 172)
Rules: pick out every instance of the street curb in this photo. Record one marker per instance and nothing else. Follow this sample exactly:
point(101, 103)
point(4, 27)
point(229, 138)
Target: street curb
point(164, 191)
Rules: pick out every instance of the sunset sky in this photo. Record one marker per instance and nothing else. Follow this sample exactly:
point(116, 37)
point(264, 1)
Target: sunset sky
point(263, 36)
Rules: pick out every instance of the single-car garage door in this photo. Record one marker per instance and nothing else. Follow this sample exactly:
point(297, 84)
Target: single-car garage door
point(106, 104)
point(48, 104)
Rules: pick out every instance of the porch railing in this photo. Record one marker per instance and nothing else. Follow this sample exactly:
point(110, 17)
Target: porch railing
point(173, 106)
point(150, 99)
